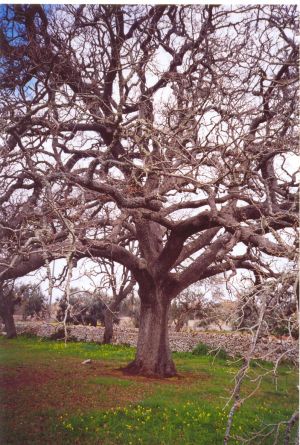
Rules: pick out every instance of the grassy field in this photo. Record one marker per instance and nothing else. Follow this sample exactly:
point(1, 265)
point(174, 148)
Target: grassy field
point(49, 397)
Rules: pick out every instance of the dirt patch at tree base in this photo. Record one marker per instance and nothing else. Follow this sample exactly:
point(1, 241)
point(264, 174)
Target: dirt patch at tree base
point(66, 385)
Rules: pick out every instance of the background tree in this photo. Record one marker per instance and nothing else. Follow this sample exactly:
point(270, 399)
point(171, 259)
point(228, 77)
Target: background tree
point(208, 304)
point(120, 284)
point(171, 126)
point(131, 308)
point(85, 308)
point(33, 301)
point(191, 304)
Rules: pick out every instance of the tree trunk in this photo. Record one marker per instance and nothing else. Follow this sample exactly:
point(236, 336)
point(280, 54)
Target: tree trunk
point(180, 322)
point(108, 326)
point(7, 306)
point(153, 356)
point(8, 319)
point(113, 307)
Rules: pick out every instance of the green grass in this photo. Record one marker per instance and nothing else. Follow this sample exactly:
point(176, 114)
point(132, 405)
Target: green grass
point(49, 397)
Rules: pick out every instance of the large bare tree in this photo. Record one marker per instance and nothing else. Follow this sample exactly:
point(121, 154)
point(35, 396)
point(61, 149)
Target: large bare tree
point(171, 126)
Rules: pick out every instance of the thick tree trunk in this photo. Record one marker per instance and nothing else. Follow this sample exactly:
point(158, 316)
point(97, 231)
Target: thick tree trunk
point(153, 356)
point(8, 319)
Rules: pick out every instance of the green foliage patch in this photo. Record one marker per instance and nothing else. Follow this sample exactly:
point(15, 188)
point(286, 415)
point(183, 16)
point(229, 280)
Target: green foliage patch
point(203, 349)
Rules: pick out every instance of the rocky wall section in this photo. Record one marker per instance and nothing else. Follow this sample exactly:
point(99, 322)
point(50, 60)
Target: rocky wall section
point(235, 344)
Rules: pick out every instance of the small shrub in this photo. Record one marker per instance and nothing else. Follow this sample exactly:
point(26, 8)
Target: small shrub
point(222, 354)
point(59, 334)
point(201, 349)
point(28, 335)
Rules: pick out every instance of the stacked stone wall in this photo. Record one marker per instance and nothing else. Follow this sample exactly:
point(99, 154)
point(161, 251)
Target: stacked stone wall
point(235, 344)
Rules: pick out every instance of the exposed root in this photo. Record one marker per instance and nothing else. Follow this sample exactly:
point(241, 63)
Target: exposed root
point(159, 371)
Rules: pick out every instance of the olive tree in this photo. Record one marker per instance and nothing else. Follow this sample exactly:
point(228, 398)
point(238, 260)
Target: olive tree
point(83, 308)
point(33, 301)
point(191, 304)
point(173, 127)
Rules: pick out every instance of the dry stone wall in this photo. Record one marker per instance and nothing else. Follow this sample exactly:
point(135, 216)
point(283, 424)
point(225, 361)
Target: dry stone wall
point(235, 344)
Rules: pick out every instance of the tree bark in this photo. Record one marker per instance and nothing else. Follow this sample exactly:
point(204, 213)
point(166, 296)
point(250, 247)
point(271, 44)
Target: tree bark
point(113, 307)
point(108, 326)
point(7, 306)
point(182, 320)
point(153, 356)
point(8, 319)
point(9, 323)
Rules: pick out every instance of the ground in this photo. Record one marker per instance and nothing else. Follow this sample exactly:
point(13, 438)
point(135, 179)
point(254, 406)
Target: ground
point(49, 397)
